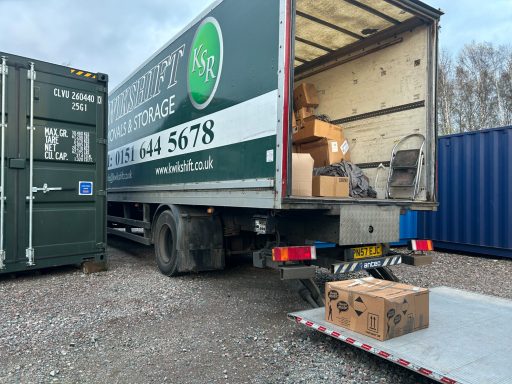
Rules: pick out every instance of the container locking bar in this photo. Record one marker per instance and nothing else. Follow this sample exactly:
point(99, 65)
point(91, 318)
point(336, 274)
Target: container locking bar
point(3, 127)
point(29, 252)
point(46, 189)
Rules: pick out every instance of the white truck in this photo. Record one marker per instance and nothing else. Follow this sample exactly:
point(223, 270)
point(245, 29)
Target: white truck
point(200, 135)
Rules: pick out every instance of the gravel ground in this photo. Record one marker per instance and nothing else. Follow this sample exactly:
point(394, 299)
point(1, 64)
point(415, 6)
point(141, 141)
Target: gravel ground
point(133, 325)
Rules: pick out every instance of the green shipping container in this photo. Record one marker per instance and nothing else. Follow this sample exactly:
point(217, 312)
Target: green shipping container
point(53, 151)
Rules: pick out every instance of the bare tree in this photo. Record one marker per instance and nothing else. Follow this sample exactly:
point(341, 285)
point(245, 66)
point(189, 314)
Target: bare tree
point(475, 89)
point(445, 93)
point(506, 90)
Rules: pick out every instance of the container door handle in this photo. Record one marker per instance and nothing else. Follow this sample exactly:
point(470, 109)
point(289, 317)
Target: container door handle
point(29, 252)
point(46, 189)
point(3, 127)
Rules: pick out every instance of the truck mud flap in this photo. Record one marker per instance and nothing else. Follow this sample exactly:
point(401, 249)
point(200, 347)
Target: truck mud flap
point(200, 243)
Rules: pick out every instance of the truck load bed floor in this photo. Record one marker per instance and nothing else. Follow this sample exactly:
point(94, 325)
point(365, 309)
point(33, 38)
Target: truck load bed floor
point(468, 339)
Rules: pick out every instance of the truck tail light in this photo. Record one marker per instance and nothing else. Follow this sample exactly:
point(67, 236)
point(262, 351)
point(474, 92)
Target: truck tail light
point(294, 253)
point(422, 245)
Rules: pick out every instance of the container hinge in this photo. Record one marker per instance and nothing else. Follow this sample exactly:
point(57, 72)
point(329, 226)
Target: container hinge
point(4, 69)
point(101, 141)
point(101, 192)
point(29, 254)
point(31, 74)
point(101, 245)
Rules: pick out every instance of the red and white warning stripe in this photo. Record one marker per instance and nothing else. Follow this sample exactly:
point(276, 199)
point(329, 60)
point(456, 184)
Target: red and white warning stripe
point(354, 266)
point(392, 261)
point(376, 351)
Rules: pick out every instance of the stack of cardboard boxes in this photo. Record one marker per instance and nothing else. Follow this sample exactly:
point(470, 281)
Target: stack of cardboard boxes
point(316, 143)
point(377, 308)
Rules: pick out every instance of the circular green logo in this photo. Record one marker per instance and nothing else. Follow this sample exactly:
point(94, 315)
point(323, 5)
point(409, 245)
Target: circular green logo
point(205, 63)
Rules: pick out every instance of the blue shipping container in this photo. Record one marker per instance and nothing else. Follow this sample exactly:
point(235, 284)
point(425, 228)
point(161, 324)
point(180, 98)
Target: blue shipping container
point(408, 228)
point(474, 193)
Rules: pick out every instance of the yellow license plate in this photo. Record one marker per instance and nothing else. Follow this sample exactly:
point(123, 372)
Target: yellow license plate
point(368, 251)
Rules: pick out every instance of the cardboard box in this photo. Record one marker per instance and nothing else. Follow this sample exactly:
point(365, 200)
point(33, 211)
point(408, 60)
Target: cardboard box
point(300, 124)
point(302, 174)
point(330, 186)
point(305, 95)
point(304, 112)
point(313, 129)
point(342, 187)
point(324, 151)
point(377, 308)
point(294, 123)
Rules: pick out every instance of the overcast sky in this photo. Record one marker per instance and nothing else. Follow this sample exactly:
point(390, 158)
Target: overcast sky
point(114, 37)
point(478, 20)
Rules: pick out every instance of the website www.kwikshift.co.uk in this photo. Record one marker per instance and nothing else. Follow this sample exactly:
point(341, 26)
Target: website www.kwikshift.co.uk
point(185, 166)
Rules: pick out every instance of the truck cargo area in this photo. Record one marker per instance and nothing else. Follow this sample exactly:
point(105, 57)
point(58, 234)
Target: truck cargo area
point(373, 65)
point(463, 343)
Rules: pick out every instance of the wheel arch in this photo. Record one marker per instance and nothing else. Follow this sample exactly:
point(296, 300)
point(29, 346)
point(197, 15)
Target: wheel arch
point(199, 237)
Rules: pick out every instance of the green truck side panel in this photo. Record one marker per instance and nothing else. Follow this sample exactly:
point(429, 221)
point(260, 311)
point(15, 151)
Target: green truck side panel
point(69, 147)
point(249, 71)
point(196, 166)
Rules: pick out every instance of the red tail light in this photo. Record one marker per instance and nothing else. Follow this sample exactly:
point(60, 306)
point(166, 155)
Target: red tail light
point(422, 245)
point(293, 253)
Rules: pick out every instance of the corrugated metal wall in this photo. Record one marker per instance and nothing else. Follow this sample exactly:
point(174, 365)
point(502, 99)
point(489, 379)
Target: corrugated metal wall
point(474, 192)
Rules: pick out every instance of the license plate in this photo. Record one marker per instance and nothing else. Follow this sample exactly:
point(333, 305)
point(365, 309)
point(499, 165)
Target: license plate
point(368, 251)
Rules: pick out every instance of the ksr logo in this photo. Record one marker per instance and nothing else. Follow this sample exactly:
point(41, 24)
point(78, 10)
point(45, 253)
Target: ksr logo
point(205, 63)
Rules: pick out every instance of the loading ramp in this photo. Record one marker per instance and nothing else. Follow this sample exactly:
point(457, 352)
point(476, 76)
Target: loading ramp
point(467, 342)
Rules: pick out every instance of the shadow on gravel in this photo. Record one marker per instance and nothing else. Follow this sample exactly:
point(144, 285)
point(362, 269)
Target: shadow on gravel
point(129, 247)
point(140, 251)
point(40, 273)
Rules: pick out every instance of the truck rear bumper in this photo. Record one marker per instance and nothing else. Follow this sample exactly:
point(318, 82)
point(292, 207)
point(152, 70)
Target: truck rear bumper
point(354, 266)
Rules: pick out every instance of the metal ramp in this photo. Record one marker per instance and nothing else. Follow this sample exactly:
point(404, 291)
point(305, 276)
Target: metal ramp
point(468, 340)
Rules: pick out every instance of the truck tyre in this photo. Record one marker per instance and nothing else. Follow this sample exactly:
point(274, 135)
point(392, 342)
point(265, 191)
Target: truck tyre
point(165, 244)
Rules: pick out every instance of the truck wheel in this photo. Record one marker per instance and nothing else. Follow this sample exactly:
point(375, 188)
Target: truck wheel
point(165, 244)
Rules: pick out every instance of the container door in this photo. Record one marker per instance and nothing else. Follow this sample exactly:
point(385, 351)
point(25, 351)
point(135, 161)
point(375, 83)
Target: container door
point(57, 198)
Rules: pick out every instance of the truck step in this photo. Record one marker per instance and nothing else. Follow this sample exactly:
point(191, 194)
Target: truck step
point(297, 272)
point(417, 260)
